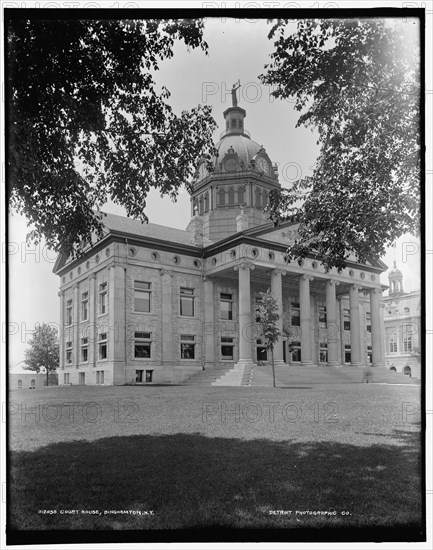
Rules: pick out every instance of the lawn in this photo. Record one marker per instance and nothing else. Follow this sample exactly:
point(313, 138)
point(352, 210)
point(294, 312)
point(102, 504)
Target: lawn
point(156, 457)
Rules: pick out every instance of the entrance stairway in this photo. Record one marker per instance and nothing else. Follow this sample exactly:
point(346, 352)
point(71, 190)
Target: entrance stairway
point(292, 376)
point(207, 377)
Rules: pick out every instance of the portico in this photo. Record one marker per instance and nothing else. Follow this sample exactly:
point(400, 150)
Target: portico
point(319, 331)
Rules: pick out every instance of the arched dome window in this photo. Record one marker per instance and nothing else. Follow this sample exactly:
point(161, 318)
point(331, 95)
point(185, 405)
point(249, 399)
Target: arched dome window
point(231, 195)
point(241, 195)
point(221, 197)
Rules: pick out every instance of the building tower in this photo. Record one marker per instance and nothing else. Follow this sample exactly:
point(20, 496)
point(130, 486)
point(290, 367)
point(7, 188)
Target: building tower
point(395, 278)
point(231, 195)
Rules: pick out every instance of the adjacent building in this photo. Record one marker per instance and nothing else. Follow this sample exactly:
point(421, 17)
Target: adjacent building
point(402, 327)
point(150, 303)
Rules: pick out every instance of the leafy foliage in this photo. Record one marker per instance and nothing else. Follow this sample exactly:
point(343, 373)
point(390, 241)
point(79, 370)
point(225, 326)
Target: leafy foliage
point(267, 317)
point(357, 82)
point(87, 122)
point(43, 351)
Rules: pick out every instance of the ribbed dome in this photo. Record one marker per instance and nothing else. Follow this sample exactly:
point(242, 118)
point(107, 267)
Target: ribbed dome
point(243, 146)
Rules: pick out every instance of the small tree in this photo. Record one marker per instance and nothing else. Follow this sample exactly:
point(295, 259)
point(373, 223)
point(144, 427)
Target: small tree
point(43, 351)
point(267, 318)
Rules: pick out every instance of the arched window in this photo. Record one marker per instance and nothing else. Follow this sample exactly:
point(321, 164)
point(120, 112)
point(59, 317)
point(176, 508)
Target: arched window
point(221, 197)
point(206, 201)
point(393, 344)
point(258, 198)
point(200, 205)
point(231, 196)
point(241, 195)
point(393, 369)
point(265, 198)
point(406, 311)
point(407, 370)
point(20, 383)
point(33, 383)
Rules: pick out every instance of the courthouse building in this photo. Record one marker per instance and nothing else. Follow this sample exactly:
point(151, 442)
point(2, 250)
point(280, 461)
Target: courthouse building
point(150, 303)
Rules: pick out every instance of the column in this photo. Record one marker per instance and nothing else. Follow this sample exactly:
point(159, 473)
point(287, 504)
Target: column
point(209, 324)
point(376, 327)
point(116, 309)
point(305, 312)
point(61, 295)
point(167, 317)
point(93, 336)
point(277, 291)
point(76, 326)
point(383, 336)
point(332, 323)
point(355, 328)
point(245, 327)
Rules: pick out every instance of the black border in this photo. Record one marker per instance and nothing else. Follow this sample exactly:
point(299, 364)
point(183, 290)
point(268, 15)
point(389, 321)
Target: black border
point(408, 533)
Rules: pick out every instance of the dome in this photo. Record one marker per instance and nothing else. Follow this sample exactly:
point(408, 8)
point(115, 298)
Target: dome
point(245, 148)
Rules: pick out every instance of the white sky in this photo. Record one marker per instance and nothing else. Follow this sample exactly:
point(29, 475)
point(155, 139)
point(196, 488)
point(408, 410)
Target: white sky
point(237, 50)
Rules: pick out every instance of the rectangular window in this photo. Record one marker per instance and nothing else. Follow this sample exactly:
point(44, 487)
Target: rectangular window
point(142, 297)
point(102, 345)
point(295, 350)
point(66, 378)
point(323, 352)
point(84, 306)
point(226, 302)
point(102, 298)
point(295, 314)
point(138, 376)
point(187, 302)
point(227, 345)
point(368, 321)
point(68, 353)
point(407, 343)
point(69, 313)
point(370, 354)
point(187, 346)
point(322, 316)
point(347, 354)
point(142, 345)
point(97, 377)
point(346, 319)
point(84, 350)
point(262, 352)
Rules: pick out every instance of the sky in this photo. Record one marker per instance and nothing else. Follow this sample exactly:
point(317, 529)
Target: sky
point(238, 49)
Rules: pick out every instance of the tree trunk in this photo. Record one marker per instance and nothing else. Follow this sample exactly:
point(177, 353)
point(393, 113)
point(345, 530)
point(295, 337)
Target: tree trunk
point(273, 366)
point(47, 376)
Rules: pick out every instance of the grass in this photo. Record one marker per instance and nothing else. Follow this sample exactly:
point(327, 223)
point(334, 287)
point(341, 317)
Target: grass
point(200, 457)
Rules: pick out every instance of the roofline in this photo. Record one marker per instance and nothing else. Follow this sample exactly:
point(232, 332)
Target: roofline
point(120, 236)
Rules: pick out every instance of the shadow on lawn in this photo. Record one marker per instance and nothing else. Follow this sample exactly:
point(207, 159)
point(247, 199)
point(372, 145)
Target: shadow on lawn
point(191, 481)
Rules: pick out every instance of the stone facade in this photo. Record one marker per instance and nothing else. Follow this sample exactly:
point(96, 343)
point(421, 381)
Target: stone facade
point(402, 320)
point(152, 304)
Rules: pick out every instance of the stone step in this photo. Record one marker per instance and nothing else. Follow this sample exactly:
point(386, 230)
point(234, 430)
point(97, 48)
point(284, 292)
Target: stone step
point(294, 375)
